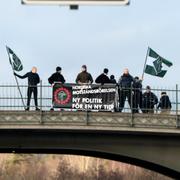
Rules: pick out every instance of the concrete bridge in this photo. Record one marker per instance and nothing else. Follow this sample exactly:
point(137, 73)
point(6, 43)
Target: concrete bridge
point(150, 141)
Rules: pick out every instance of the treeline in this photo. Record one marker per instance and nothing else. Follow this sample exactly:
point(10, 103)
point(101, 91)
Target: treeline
point(59, 167)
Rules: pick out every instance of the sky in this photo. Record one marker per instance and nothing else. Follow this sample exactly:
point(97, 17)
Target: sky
point(114, 37)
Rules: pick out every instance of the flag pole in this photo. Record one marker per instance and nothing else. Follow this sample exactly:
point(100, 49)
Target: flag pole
point(16, 80)
point(145, 62)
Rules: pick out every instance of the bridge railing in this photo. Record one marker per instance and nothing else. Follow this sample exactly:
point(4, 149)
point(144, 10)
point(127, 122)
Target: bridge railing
point(10, 98)
point(172, 93)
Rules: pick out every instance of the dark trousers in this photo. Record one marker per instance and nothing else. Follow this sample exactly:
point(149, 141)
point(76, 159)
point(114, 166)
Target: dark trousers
point(148, 107)
point(137, 101)
point(123, 94)
point(29, 94)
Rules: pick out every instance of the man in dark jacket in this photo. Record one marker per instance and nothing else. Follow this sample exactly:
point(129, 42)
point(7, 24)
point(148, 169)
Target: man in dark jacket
point(84, 77)
point(125, 83)
point(112, 79)
point(164, 103)
point(137, 94)
point(149, 101)
point(56, 77)
point(103, 78)
point(33, 80)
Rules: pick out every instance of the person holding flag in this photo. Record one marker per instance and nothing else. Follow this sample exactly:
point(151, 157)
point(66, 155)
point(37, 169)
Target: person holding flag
point(137, 94)
point(33, 80)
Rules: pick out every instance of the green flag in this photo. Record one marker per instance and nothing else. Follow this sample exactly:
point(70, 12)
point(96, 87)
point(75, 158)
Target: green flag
point(16, 66)
point(14, 60)
point(157, 68)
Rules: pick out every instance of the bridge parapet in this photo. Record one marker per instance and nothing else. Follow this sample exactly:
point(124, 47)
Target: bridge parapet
point(89, 120)
point(150, 141)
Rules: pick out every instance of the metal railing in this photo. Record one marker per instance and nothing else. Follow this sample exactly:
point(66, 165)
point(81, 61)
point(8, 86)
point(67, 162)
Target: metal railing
point(172, 93)
point(10, 98)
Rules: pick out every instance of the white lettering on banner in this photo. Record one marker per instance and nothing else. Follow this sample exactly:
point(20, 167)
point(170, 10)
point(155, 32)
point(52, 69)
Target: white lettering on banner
point(76, 100)
point(97, 106)
point(77, 106)
point(93, 100)
point(93, 106)
point(93, 91)
point(88, 106)
point(89, 97)
point(81, 87)
point(109, 107)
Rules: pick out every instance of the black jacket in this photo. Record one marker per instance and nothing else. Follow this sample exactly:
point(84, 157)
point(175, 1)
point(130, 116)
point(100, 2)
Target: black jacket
point(149, 100)
point(84, 77)
point(56, 77)
point(103, 79)
point(113, 81)
point(165, 102)
point(125, 81)
point(137, 86)
point(33, 78)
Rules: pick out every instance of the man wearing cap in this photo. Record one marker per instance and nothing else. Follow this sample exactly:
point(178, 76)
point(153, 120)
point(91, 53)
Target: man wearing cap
point(103, 78)
point(149, 101)
point(33, 80)
point(84, 77)
point(56, 77)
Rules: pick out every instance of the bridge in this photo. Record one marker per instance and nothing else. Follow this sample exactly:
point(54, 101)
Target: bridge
point(149, 141)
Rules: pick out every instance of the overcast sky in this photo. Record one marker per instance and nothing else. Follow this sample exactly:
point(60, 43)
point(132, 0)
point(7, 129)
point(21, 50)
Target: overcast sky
point(112, 37)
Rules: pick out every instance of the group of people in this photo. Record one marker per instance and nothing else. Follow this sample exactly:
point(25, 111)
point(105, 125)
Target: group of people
point(129, 88)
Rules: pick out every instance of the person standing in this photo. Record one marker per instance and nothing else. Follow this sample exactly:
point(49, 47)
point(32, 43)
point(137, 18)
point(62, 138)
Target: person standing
point(149, 101)
point(33, 81)
point(103, 78)
point(165, 104)
point(125, 84)
point(137, 94)
point(57, 77)
point(112, 79)
point(84, 77)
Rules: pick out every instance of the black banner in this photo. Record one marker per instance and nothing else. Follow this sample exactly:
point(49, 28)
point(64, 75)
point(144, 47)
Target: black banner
point(84, 97)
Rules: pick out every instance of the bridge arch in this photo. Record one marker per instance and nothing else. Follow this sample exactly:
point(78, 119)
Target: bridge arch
point(97, 154)
point(153, 151)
